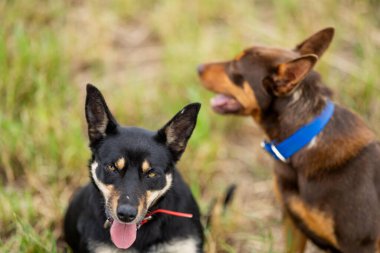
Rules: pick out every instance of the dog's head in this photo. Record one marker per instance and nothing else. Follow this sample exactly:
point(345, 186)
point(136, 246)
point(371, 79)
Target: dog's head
point(133, 167)
point(247, 84)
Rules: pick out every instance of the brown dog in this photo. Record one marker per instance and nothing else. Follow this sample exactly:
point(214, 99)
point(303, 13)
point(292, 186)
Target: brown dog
point(330, 189)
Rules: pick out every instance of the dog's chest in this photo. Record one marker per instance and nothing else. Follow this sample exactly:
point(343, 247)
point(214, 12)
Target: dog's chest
point(188, 245)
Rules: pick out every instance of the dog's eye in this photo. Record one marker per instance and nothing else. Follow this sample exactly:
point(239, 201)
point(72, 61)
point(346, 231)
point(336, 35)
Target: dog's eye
point(151, 174)
point(111, 168)
point(237, 79)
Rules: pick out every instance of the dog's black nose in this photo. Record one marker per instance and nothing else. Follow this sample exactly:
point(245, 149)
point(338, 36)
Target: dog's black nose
point(201, 69)
point(126, 213)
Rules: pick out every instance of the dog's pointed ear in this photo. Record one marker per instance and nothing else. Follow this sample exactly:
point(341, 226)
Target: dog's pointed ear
point(317, 43)
point(178, 130)
point(99, 119)
point(289, 75)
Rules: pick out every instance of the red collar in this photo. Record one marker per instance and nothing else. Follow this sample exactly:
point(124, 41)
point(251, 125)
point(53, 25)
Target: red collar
point(149, 215)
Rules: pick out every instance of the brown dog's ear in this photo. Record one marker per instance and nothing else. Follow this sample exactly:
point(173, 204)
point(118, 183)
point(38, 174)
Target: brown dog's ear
point(289, 75)
point(317, 43)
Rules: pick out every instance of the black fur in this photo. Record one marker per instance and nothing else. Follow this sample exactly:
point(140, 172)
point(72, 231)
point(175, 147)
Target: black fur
point(86, 214)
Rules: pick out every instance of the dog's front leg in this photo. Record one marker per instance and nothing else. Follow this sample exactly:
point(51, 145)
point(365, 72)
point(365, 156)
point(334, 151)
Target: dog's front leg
point(295, 240)
point(285, 186)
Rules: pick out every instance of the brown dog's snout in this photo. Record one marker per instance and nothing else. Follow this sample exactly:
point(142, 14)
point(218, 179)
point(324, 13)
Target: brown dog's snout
point(201, 68)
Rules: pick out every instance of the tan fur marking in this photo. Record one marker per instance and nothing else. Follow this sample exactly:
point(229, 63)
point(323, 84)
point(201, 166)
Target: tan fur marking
point(153, 196)
point(239, 56)
point(320, 223)
point(104, 188)
point(148, 196)
point(114, 199)
point(145, 166)
point(142, 207)
point(215, 79)
point(281, 69)
point(110, 188)
point(290, 74)
point(120, 163)
point(253, 109)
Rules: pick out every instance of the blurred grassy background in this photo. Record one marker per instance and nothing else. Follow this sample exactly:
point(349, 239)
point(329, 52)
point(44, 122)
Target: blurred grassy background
point(143, 55)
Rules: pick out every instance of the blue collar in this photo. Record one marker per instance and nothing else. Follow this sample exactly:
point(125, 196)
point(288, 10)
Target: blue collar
point(282, 151)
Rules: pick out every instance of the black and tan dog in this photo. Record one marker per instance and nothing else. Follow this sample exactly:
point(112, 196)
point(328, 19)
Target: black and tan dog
point(330, 188)
point(136, 193)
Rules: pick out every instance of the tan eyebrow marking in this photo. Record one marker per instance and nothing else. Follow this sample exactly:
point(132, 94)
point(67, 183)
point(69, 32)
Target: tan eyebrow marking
point(145, 166)
point(120, 163)
point(240, 55)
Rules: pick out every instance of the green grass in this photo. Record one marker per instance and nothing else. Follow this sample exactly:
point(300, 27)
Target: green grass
point(143, 55)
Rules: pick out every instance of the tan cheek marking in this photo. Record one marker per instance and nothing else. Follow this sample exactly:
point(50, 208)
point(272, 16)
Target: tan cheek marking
point(150, 197)
point(252, 104)
point(120, 164)
point(216, 80)
point(317, 221)
point(145, 166)
point(110, 192)
point(153, 196)
point(114, 200)
point(142, 205)
point(247, 98)
point(105, 189)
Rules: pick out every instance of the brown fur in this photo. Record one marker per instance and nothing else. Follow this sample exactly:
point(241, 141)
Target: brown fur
point(339, 149)
point(330, 189)
point(321, 223)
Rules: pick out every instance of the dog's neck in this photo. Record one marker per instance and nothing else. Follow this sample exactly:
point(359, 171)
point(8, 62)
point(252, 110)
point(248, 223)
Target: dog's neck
point(343, 138)
point(285, 115)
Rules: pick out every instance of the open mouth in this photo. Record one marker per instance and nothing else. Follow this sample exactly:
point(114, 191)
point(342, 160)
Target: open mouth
point(123, 235)
point(225, 104)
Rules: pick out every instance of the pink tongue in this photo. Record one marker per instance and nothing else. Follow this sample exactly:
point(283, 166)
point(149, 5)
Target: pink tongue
point(123, 235)
point(219, 100)
point(225, 104)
